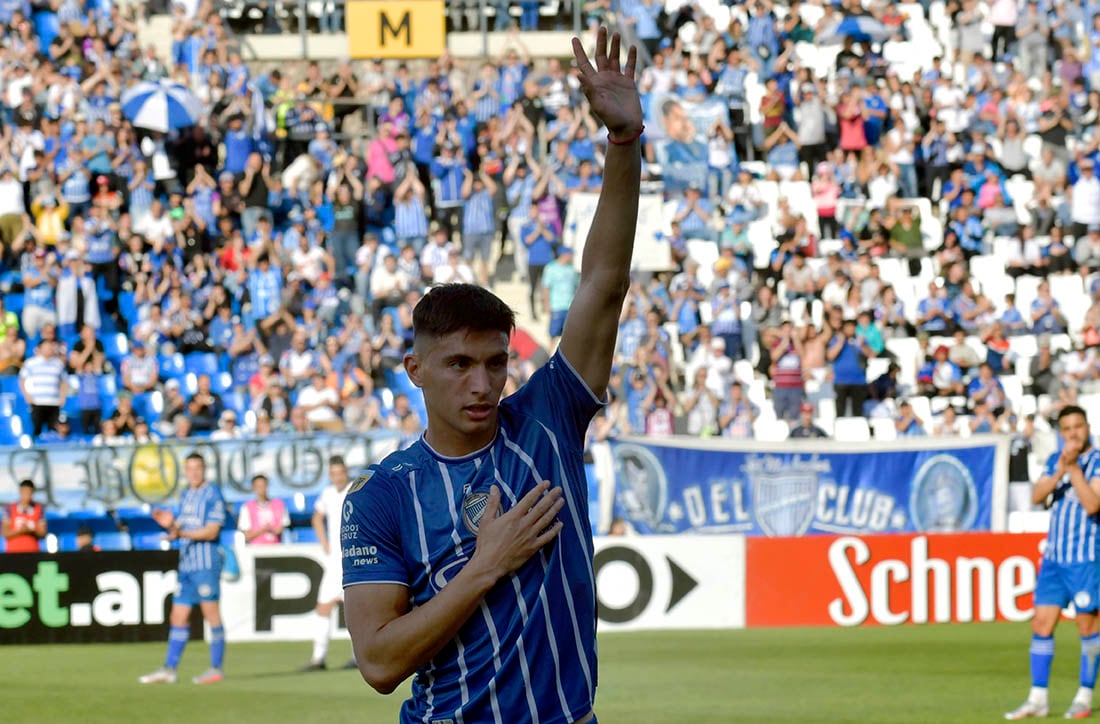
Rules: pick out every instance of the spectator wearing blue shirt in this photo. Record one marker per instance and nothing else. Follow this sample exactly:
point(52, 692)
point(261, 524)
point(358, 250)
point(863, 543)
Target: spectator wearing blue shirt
point(39, 285)
point(448, 172)
point(970, 231)
point(848, 354)
point(1046, 315)
point(540, 240)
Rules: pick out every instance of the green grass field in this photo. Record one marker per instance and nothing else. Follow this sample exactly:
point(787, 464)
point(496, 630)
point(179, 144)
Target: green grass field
point(928, 674)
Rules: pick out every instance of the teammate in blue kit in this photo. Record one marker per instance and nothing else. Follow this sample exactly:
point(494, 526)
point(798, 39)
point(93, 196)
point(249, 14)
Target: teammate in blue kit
point(1068, 573)
point(468, 556)
point(202, 515)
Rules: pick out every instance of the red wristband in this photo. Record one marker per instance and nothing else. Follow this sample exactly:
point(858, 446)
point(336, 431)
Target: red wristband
point(628, 141)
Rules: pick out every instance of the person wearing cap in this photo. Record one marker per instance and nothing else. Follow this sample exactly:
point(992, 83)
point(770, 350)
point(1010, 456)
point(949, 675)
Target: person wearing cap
point(140, 369)
point(805, 428)
point(228, 429)
point(560, 280)
point(23, 523)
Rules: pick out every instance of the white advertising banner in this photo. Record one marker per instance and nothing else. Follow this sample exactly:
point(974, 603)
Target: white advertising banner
point(652, 582)
point(651, 247)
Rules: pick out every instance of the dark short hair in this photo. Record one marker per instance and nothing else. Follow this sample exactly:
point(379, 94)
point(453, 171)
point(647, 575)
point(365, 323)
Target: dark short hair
point(453, 307)
point(261, 476)
point(196, 456)
point(337, 460)
point(1072, 410)
point(27, 484)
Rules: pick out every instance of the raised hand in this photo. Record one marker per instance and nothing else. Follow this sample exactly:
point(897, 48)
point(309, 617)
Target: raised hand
point(610, 90)
point(506, 542)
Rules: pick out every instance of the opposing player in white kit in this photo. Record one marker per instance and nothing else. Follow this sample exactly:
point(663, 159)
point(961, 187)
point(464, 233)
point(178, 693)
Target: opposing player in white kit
point(326, 522)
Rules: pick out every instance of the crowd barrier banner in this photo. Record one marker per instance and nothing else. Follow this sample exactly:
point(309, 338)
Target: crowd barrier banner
point(890, 579)
point(120, 475)
point(680, 130)
point(86, 597)
point(651, 247)
point(796, 488)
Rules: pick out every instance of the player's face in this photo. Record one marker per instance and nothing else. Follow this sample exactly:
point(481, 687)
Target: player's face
point(195, 471)
point(25, 495)
point(462, 375)
point(338, 474)
point(259, 487)
point(1075, 430)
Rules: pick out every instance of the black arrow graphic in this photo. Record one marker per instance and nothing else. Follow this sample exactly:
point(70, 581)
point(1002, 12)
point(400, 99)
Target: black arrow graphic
point(682, 584)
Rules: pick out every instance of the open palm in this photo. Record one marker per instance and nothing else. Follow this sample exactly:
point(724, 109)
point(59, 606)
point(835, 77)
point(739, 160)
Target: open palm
point(610, 90)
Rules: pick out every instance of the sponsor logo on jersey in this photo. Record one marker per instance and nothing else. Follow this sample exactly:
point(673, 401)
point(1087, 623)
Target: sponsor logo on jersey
point(360, 481)
point(348, 510)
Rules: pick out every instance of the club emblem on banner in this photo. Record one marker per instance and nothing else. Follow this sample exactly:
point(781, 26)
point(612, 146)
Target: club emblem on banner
point(784, 502)
point(943, 497)
point(641, 483)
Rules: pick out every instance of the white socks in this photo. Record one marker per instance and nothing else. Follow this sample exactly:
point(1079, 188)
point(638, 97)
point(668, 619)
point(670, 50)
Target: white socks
point(1037, 695)
point(321, 635)
point(1084, 696)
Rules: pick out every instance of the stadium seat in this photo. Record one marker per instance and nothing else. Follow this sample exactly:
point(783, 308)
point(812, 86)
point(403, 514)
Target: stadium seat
point(140, 524)
point(96, 521)
point(11, 429)
point(852, 429)
point(300, 508)
point(66, 542)
point(115, 346)
point(201, 363)
point(883, 428)
point(117, 541)
point(13, 303)
point(126, 307)
point(304, 534)
point(770, 430)
point(147, 541)
point(149, 405)
point(221, 382)
point(171, 367)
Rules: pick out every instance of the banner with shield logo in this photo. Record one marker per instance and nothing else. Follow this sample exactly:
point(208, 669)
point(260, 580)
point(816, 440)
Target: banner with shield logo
point(800, 488)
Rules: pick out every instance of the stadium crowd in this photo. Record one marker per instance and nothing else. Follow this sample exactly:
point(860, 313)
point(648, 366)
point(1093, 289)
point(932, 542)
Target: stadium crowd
point(256, 271)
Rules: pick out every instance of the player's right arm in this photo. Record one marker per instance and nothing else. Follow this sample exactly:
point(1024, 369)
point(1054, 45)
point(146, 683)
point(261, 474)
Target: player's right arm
point(392, 640)
point(1046, 484)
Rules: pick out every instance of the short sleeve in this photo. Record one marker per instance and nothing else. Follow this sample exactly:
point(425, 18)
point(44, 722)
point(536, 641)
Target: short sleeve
point(370, 538)
point(558, 396)
point(1051, 464)
point(319, 505)
point(244, 520)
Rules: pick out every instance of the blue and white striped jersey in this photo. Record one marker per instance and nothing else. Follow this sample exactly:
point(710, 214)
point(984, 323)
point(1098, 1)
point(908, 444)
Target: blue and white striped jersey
point(1072, 537)
point(529, 654)
point(198, 508)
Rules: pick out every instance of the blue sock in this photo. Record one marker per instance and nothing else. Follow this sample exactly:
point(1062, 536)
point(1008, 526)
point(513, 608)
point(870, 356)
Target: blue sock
point(177, 639)
point(217, 646)
point(1090, 653)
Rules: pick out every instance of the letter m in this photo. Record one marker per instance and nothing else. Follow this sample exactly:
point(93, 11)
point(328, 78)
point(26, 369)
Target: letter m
point(386, 28)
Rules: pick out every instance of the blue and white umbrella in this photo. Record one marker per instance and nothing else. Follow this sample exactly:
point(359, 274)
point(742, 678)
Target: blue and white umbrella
point(860, 28)
point(160, 106)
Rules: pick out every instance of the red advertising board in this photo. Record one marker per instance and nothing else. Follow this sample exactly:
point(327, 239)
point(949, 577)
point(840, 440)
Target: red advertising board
point(890, 579)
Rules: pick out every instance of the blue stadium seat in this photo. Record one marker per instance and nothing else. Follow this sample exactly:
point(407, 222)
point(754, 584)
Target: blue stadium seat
point(304, 534)
point(13, 303)
point(11, 429)
point(66, 542)
point(108, 394)
point(140, 524)
point(146, 541)
point(221, 383)
point(108, 326)
point(9, 384)
point(97, 522)
point(126, 307)
point(149, 405)
point(201, 363)
point(115, 346)
point(3, 544)
point(172, 367)
point(300, 508)
point(131, 511)
point(117, 541)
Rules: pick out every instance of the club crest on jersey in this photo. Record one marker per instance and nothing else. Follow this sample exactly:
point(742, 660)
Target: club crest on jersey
point(360, 481)
point(473, 507)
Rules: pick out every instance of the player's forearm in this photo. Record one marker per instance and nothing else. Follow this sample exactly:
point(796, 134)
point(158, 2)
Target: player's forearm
point(606, 259)
point(1090, 501)
point(396, 650)
point(1044, 487)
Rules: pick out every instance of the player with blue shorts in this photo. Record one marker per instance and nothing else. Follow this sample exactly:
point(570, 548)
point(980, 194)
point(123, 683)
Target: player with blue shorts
point(467, 557)
point(1068, 573)
point(198, 527)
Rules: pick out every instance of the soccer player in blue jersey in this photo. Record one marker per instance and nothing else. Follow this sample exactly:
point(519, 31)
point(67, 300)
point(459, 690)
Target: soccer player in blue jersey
point(1068, 573)
point(202, 515)
point(468, 556)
